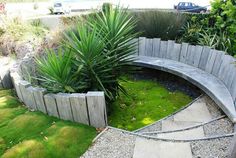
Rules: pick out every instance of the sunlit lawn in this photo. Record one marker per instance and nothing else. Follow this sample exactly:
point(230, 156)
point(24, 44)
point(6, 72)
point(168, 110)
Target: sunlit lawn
point(25, 134)
point(147, 102)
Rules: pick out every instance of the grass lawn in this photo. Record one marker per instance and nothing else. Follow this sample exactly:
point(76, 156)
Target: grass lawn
point(25, 134)
point(146, 103)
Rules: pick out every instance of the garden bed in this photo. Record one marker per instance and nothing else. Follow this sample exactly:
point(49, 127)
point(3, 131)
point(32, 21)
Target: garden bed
point(152, 95)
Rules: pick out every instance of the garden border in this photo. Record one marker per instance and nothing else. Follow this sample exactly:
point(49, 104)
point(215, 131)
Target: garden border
point(86, 108)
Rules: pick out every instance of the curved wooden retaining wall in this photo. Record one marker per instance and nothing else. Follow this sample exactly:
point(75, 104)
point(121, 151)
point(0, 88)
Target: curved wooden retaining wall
point(215, 62)
point(87, 108)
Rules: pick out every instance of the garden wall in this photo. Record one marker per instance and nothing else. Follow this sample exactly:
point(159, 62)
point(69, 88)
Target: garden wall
point(217, 63)
point(87, 108)
point(5, 64)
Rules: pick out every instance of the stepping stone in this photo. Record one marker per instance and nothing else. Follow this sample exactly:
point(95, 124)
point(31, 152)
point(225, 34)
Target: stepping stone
point(145, 148)
point(168, 125)
point(183, 135)
point(197, 112)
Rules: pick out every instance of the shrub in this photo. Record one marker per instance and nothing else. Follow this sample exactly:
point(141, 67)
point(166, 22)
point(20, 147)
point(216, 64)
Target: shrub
point(101, 52)
point(216, 29)
point(190, 33)
point(160, 24)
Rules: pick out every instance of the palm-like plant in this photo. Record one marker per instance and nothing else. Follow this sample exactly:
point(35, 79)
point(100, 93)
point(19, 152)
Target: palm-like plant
point(56, 72)
point(101, 51)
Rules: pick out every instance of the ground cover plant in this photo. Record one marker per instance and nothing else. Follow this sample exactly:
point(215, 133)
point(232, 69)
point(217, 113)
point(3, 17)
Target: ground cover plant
point(147, 101)
point(34, 134)
point(93, 55)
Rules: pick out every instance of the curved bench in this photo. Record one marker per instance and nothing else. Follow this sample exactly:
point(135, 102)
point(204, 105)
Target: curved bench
point(211, 70)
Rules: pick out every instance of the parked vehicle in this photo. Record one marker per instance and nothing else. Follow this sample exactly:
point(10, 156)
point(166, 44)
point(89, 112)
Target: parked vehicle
point(190, 7)
point(61, 8)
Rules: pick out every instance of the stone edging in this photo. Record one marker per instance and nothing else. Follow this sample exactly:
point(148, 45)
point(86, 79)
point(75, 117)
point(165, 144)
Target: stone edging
point(87, 108)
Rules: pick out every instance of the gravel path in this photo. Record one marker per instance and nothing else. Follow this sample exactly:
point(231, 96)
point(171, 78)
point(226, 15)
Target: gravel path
point(216, 148)
point(219, 127)
point(214, 110)
point(112, 144)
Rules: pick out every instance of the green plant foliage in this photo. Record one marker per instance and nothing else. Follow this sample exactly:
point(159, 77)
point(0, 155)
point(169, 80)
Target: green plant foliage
point(147, 102)
point(106, 7)
point(224, 13)
point(56, 70)
point(217, 29)
point(190, 33)
point(160, 24)
point(101, 52)
point(36, 135)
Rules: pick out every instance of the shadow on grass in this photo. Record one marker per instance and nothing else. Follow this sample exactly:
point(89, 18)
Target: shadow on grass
point(36, 135)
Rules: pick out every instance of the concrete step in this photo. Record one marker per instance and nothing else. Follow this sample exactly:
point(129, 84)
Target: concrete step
point(161, 149)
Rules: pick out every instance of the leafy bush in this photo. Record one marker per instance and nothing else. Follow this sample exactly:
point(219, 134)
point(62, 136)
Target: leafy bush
point(217, 29)
point(101, 52)
point(190, 33)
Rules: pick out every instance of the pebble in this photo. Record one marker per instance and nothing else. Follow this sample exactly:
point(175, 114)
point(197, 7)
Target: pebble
point(219, 127)
point(112, 144)
point(215, 148)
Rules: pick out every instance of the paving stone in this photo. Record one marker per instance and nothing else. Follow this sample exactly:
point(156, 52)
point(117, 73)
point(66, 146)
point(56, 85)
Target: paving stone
point(197, 112)
point(174, 125)
point(145, 148)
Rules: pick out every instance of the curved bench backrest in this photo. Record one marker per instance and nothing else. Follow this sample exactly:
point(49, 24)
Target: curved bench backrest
point(215, 62)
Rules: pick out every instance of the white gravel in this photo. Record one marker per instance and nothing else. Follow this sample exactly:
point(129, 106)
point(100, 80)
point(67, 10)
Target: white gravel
point(213, 108)
point(219, 127)
point(215, 148)
point(112, 144)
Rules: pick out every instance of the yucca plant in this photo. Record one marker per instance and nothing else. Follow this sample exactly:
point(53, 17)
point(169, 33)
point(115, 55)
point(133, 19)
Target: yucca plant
point(95, 55)
point(56, 71)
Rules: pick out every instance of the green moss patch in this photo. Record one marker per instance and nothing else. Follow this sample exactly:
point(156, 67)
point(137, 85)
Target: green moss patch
point(28, 148)
point(147, 102)
point(25, 134)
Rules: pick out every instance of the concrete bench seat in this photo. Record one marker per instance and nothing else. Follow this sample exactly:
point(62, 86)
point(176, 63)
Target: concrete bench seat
point(211, 70)
point(211, 85)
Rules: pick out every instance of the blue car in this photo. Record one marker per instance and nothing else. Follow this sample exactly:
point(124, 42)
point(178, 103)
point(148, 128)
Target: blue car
point(190, 7)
